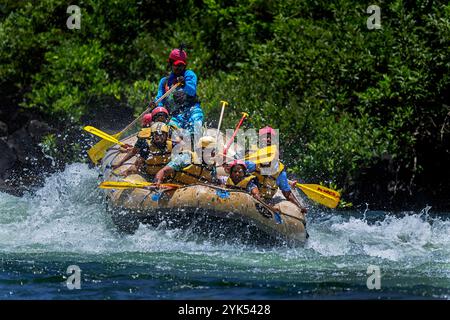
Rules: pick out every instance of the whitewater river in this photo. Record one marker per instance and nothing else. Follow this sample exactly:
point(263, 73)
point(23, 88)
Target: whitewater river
point(65, 223)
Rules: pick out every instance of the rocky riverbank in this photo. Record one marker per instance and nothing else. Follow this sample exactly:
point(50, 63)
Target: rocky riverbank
point(23, 158)
point(34, 146)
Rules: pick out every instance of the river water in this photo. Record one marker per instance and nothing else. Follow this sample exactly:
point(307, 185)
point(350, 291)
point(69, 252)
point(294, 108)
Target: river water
point(65, 223)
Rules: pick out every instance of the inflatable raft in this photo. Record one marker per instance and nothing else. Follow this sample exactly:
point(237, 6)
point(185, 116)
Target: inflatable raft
point(178, 207)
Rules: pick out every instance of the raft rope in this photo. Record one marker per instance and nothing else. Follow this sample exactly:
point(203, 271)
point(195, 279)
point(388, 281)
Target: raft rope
point(259, 201)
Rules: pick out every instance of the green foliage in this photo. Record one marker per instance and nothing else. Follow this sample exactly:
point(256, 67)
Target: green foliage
point(49, 145)
point(71, 77)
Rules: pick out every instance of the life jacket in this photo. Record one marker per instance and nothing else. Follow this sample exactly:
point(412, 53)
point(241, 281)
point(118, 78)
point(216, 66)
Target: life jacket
point(268, 183)
point(190, 100)
point(157, 158)
point(194, 173)
point(242, 184)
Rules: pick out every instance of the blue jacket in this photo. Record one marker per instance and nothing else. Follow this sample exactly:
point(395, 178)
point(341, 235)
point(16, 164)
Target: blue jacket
point(282, 180)
point(190, 87)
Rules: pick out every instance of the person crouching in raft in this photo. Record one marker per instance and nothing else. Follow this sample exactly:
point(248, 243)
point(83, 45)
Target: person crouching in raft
point(187, 168)
point(146, 123)
point(153, 148)
point(269, 183)
point(240, 179)
point(161, 114)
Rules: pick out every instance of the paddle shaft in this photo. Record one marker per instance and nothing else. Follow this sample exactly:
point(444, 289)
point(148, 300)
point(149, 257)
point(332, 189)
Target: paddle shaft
point(224, 104)
point(126, 185)
point(156, 102)
point(245, 115)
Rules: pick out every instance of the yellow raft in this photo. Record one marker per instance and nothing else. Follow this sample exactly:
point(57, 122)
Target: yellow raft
point(239, 211)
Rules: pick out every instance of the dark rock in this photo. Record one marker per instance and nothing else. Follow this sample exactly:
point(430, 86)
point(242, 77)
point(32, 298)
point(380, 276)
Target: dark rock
point(3, 129)
point(20, 141)
point(7, 157)
point(38, 129)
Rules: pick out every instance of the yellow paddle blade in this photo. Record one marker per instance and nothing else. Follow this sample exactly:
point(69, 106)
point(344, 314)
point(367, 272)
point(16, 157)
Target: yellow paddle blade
point(257, 159)
point(127, 185)
point(104, 135)
point(97, 152)
point(320, 194)
point(261, 159)
point(263, 153)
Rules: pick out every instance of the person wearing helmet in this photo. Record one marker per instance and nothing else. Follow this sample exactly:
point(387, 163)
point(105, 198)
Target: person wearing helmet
point(160, 114)
point(153, 149)
point(240, 179)
point(145, 122)
point(269, 183)
point(192, 167)
point(183, 104)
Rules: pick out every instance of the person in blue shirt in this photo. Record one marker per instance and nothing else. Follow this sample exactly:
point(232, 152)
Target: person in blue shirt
point(188, 168)
point(269, 183)
point(183, 104)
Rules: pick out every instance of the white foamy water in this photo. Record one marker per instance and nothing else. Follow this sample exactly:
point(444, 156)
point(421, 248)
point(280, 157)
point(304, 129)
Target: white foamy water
point(68, 214)
point(66, 221)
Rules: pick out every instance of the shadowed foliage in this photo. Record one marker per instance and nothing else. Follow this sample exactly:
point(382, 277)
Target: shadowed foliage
point(365, 110)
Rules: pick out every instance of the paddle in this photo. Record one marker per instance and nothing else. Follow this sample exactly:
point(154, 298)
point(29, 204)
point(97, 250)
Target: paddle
point(103, 135)
point(97, 152)
point(325, 196)
point(224, 104)
point(266, 152)
point(258, 157)
point(244, 115)
point(127, 185)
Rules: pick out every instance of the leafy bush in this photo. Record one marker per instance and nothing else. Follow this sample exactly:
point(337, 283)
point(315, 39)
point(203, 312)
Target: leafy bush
point(345, 98)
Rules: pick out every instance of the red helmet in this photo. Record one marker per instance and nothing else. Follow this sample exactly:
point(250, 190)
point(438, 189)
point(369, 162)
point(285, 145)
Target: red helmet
point(238, 162)
point(160, 110)
point(146, 119)
point(178, 57)
point(267, 130)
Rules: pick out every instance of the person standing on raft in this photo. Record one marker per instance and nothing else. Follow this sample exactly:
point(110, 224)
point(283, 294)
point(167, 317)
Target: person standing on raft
point(183, 104)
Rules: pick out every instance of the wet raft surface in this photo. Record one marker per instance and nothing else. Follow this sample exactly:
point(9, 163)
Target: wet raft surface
point(210, 206)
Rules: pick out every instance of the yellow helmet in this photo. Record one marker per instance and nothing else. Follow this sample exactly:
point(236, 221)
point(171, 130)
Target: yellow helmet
point(206, 142)
point(159, 127)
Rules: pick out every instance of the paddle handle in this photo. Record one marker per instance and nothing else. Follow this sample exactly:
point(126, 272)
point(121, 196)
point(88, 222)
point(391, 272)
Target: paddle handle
point(224, 104)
